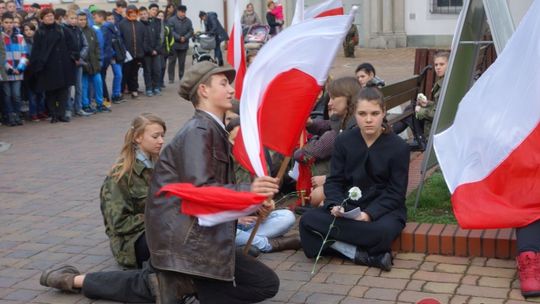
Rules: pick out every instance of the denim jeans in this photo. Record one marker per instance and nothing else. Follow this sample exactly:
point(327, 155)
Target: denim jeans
point(36, 103)
point(12, 96)
point(98, 89)
point(276, 224)
point(117, 78)
point(75, 99)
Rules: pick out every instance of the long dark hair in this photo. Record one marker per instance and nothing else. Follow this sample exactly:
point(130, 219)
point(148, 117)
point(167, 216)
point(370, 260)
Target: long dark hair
point(374, 95)
point(345, 87)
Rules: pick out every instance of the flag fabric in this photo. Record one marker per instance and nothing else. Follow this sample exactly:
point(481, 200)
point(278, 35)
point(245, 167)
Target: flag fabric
point(213, 205)
point(284, 82)
point(323, 9)
point(236, 54)
point(490, 156)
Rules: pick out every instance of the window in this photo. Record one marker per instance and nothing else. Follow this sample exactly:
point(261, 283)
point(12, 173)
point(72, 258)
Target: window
point(446, 6)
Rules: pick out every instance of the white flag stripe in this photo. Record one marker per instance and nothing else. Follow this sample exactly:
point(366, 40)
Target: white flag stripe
point(210, 220)
point(237, 35)
point(499, 111)
point(298, 12)
point(297, 47)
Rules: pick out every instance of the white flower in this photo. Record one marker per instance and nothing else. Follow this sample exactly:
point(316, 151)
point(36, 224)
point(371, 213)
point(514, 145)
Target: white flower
point(355, 193)
point(421, 97)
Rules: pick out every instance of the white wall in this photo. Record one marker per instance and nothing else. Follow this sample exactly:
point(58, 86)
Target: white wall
point(194, 6)
point(419, 21)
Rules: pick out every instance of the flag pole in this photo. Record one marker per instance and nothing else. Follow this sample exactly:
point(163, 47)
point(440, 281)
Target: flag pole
point(280, 175)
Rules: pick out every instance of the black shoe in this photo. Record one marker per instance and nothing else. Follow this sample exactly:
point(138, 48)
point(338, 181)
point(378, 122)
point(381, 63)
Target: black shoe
point(54, 119)
point(64, 119)
point(382, 261)
point(417, 145)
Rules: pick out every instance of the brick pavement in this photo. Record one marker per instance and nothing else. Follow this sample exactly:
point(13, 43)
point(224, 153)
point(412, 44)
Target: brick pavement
point(49, 214)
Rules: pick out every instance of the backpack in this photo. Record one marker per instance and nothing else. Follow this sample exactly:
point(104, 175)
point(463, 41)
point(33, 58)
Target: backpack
point(119, 50)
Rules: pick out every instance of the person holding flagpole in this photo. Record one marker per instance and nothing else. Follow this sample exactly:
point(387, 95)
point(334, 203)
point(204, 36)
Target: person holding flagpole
point(375, 160)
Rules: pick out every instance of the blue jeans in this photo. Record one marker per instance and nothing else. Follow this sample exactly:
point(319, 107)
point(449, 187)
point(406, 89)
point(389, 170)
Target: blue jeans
point(98, 89)
point(12, 96)
point(75, 101)
point(217, 52)
point(276, 224)
point(36, 103)
point(117, 78)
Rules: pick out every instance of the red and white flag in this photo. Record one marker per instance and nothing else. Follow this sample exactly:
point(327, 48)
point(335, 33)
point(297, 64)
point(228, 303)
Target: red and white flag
point(323, 9)
point(236, 54)
point(213, 205)
point(282, 85)
point(490, 156)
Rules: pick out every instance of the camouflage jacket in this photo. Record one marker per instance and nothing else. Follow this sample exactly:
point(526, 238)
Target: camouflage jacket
point(122, 207)
point(427, 113)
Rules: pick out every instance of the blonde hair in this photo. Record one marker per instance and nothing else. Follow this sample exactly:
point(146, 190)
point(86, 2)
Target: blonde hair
point(126, 160)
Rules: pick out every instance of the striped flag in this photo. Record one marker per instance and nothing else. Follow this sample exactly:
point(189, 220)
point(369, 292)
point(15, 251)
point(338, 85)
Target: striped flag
point(236, 54)
point(284, 82)
point(490, 156)
point(323, 9)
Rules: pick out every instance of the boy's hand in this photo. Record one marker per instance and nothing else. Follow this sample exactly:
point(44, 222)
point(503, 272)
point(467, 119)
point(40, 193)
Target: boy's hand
point(265, 185)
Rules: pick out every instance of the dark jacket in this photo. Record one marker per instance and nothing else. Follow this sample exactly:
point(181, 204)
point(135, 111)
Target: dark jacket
point(199, 154)
point(214, 27)
point(180, 27)
point(153, 28)
point(381, 171)
point(53, 58)
point(135, 37)
point(80, 40)
point(117, 17)
point(271, 19)
point(93, 64)
point(122, 207)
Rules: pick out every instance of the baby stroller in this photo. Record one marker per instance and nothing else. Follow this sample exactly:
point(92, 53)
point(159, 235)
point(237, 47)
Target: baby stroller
point(256, 37)
point(202, 45)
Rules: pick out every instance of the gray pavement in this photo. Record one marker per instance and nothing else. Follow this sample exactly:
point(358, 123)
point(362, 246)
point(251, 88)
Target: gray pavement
point(49, 214)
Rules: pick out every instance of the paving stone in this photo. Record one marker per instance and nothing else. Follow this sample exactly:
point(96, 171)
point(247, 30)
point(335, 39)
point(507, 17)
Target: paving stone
point(55, 297)
point(480, 291)
point(326, 288)
point(500, 263)
point(23, 295)
point(480, 300)
point(17, 273)
point(411, 256)
point(398, 273)
point(322, 298)
point(470, 279)
point(495, 282)
point(345, 269)
point(320, 277)
point(382, 294)
point(383, 282)
point(342, 279)
point(290, 285)
point(451, 268)
point(458, 299)
point(437, 276)
point(447, 259)
point(294, 275)
point(358, 291)
point(491, 271)
point(8, 281)
point(283, 295)
point(415, 285)
point(478, 261)
point(428, 266)
point(406, 264)
point(440, 287)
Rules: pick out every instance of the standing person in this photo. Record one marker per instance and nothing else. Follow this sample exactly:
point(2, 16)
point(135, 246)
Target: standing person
point(167, 43)
point(152, 60)
point(200, 154)
point(249, 18)
point(33, 11)
point(15, 64)
point(53, 62)
point(271, 18)
point(350, 42)
point(119, 12)
point(375, 160)
point(75, 99)
point(36, 101)
point(111, 34)
point(182, 30)
point(214, 28)
point(92, 68)
point(170, 11)
point(135, 39)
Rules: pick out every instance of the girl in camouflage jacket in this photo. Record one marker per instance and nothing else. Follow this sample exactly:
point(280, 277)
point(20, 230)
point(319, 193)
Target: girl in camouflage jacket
point(124, 191)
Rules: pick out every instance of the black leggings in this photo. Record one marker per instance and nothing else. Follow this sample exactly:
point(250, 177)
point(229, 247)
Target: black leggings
point(528, 237)
point(142, 254)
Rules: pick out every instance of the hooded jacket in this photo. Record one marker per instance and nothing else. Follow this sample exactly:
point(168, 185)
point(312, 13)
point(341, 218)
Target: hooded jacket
point(135, 37)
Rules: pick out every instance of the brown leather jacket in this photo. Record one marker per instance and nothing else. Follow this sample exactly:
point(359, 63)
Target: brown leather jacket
point(199, 154)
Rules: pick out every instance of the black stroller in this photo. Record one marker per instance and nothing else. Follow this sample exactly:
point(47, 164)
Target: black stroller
point(203, 44)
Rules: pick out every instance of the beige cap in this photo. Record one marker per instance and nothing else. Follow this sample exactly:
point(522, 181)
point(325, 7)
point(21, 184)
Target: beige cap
point(199, 73)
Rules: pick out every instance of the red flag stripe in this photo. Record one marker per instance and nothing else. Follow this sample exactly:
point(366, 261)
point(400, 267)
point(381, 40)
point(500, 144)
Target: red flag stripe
point(332, 12)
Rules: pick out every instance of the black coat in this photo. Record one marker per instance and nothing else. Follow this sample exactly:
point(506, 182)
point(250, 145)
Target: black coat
point(53, 58)
point(154, 43)
point(180, 27)
point(135, 37)
point(214, 27)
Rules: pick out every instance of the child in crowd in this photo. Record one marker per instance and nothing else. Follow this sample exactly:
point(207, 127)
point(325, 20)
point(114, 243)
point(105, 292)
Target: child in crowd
point(36, 101)
point(16, 61)
point(152, 61)
point(111, 34)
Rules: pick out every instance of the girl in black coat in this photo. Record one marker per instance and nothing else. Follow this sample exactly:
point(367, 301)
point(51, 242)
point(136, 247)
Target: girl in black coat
point(377, 161)
point(53, 64)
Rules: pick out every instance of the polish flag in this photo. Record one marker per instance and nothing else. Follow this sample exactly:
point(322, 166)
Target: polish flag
point(236, 54)
point(323, 9)
point(490, 156)
point(284, 82)
point(213, 205)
